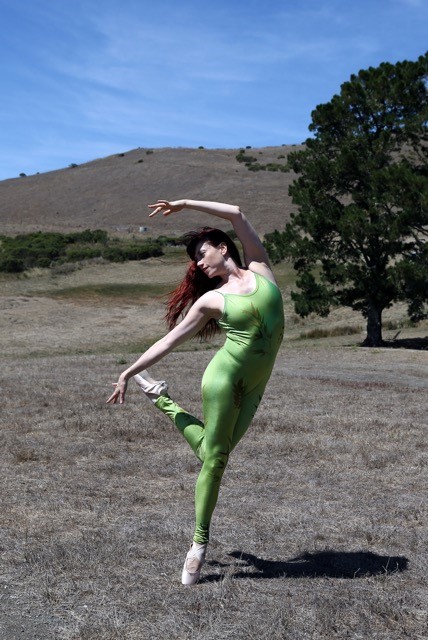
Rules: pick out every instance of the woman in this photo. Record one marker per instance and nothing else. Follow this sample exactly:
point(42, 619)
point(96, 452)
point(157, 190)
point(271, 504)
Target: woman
point(245, 301)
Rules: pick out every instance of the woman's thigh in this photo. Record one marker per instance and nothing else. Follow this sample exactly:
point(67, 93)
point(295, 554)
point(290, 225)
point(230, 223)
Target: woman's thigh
point(249, 406)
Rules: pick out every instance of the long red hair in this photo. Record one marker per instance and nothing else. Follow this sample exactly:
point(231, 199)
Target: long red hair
point(195, 283)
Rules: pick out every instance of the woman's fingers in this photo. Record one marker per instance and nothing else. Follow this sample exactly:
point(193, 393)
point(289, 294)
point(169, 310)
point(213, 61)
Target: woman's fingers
point(158, 203)
point(114, 396)
point(163, 206)
point(158, 209)
point(118, 394)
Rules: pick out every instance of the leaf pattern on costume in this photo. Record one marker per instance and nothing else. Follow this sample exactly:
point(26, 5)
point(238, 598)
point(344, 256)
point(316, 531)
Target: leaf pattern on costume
point(262, 332)
point(238, 392)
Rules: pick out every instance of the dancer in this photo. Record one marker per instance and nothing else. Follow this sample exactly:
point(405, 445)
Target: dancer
point(218, 291)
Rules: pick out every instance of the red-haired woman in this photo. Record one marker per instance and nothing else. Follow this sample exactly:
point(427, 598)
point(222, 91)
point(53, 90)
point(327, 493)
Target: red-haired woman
point(217, 291)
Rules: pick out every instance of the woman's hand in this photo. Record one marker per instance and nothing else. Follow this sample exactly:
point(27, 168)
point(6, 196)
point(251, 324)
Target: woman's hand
point(166, 208)
point(119, 392)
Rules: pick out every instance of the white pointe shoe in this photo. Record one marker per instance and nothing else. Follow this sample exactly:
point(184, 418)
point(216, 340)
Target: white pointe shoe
point(152, 388)
point(195, 559)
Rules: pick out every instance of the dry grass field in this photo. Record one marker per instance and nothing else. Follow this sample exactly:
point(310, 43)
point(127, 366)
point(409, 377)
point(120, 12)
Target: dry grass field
point(321, 529)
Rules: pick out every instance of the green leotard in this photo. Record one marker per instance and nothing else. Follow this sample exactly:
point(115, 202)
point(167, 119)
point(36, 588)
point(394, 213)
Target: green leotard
point(232, 387)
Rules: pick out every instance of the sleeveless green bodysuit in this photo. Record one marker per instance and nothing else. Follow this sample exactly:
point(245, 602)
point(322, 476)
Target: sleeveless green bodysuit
point(232, 387)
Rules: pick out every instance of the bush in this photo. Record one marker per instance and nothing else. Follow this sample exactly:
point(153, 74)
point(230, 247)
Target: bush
point(170, 241)
point(113, 254)
point(241, 157)
point(33, 249)
point(12, 265)
point(82, 252)
point(50, 249)
point(97, 236)
point(142, 251)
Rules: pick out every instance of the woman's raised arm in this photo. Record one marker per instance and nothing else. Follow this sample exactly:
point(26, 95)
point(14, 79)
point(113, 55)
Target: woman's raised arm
point(252, 246)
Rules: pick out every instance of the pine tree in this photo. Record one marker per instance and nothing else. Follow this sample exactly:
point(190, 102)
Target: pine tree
point(359, 235)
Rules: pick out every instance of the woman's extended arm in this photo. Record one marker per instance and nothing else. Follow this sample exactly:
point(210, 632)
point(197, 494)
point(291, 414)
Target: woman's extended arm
point(208, 306)
point(252, 246)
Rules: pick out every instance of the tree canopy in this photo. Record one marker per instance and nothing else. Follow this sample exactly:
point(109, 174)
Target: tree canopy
point(359, 235)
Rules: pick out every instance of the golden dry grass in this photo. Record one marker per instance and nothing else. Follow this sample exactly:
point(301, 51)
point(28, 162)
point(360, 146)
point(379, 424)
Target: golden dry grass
point(321, 527)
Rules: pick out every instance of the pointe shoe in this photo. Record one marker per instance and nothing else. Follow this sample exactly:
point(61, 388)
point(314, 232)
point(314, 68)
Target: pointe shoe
point(195, 559)
point(152, 388)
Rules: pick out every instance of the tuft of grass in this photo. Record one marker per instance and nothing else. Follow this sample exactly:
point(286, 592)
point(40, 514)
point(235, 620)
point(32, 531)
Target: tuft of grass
point(26, 455)
point(129, 292)
point(330, 332)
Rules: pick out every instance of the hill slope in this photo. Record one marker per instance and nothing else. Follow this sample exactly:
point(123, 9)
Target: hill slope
point(113, 192)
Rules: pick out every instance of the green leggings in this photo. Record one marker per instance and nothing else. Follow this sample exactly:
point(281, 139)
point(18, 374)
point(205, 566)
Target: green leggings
point(228, 409)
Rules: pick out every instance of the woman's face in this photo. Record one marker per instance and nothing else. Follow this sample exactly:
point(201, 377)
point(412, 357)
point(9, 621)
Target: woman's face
point(210, 259)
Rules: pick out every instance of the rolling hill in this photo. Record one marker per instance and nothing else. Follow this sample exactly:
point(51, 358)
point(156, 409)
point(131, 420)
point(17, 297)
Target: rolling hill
point(112, 193)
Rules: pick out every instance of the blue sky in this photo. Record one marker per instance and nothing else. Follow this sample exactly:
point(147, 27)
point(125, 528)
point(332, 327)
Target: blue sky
point(83, 79)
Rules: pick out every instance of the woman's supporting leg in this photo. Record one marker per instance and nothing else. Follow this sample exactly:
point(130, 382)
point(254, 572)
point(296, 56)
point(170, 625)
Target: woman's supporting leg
point(225, 425)
point(220, 415)
point(226, 421)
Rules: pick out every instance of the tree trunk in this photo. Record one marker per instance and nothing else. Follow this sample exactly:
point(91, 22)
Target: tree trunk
point(374, 327)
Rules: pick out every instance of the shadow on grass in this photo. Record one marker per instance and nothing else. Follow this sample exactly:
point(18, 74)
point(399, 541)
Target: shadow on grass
point(421, 344)
point(329, 564)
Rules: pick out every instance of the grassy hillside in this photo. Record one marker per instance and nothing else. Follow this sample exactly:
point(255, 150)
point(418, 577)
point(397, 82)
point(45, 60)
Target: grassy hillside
point(113, 192)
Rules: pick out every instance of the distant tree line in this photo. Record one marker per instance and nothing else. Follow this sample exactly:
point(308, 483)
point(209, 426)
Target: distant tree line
point(47, 249)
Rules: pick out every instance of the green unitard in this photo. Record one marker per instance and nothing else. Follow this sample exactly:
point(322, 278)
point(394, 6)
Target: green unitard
point(232, 387)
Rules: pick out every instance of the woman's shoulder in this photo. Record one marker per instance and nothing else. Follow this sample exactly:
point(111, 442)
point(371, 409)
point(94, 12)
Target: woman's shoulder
point(262, 270)
point(211, 302)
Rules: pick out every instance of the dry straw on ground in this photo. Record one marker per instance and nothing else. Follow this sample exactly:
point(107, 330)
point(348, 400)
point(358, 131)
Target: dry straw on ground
point(321, 527)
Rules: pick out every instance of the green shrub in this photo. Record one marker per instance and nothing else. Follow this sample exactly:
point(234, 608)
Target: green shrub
point(170, 241)
point(76, 253)
point(113, 254)
point(241, 157)
point(49, 249)
point(12, 265)
point(142, 251)
point(96, 236)
point(33, 249)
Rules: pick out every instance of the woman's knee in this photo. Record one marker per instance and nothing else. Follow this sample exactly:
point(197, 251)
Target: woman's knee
point(215, 463)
